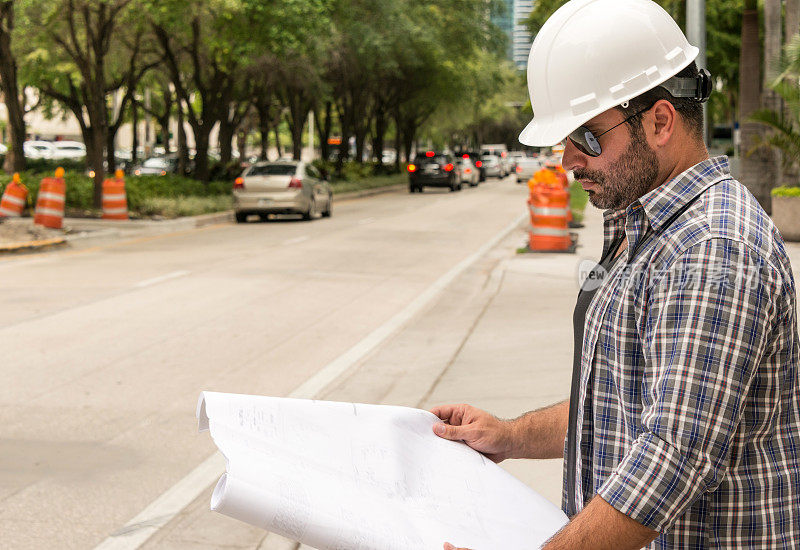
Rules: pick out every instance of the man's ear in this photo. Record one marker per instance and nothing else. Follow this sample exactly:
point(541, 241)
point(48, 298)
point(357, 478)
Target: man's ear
point(663, 122)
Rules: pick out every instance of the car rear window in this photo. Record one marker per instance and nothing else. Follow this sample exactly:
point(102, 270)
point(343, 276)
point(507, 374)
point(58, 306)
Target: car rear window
point(272, 170)
point(436, 159)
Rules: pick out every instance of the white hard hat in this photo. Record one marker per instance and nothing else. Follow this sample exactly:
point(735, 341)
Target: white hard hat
point(594, 54)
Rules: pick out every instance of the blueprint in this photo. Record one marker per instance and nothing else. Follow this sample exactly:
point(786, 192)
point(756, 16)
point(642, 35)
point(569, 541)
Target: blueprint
point(346, 476)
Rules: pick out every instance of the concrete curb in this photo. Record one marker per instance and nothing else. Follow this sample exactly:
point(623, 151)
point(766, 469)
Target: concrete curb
point(370, 192)
point(90, 228)
point(29, 246)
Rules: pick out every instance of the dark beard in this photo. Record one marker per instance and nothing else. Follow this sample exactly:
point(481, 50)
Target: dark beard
point(630, 177)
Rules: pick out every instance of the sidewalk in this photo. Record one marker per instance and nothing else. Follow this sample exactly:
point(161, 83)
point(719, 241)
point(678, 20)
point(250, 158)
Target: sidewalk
point(499, 337)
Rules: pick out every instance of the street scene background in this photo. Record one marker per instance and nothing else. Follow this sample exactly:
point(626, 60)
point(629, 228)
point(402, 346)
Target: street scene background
point(426, 289)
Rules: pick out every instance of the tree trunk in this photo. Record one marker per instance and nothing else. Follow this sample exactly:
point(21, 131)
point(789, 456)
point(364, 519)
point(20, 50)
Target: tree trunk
point(226, 133)
point(278, 145)
point(241, 145)
point(201, 139)
point(15, 158)
point(324, 130)
point(94, 153)
point(770, 99)
point(183, 149)
point(264, 130)
point(752, 164)
point(380, 134)
point(135, 129)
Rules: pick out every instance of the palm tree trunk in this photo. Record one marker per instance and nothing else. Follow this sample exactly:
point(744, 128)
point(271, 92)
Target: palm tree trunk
point(791, 26)
point(770, 99)
point(753, 164)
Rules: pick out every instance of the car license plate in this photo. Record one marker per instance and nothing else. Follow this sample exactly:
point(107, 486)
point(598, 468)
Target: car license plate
point(264, 202)
point(431, 169)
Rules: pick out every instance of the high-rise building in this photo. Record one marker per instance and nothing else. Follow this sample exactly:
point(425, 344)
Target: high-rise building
point(511, 21)
point(522, 38)
point(504, 19)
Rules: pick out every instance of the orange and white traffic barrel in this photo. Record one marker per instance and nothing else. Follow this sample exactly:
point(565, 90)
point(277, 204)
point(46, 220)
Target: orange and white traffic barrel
point(14, 198)
point(549, 205)
point(50, 201)
point(115, 202)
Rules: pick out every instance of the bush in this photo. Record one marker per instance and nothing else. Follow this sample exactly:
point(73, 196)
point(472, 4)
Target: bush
point(786, 191)
point(176, 207)
point(80, 189)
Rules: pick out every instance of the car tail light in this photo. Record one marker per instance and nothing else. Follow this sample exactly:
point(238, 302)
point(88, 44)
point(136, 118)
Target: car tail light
point(429, 153)
point(465, 156)
point(295, 183)
point(503, 154)
point(238, 183)
point(519, 169)
point(411, 168)
point(448, 167)
point(467, 171)
point(478, 163)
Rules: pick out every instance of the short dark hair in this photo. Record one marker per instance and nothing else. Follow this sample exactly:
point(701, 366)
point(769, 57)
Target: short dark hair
point(689, 108)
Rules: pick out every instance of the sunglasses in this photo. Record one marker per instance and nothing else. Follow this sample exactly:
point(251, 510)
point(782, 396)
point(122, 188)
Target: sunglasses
point(587, 143)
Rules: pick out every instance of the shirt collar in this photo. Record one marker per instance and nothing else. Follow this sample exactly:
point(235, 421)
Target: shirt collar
point(662, 202)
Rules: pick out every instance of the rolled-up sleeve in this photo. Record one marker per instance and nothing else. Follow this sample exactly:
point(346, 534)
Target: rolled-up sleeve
point(706, 326)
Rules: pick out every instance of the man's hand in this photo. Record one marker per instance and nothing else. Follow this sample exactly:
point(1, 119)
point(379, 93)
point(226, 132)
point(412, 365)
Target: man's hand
point(480, 430)
point(448, 546)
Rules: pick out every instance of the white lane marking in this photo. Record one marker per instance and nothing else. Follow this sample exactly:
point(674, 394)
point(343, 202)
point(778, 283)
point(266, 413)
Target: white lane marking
point(161, 279)
point(365, 221)
point(295, 240)
point(176, 498)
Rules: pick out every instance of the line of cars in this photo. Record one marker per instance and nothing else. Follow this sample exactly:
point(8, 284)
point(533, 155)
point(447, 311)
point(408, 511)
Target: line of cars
point(454, 170)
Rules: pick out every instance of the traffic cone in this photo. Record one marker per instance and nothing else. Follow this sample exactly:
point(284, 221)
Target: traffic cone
point(115, 202)
point(50, 201)
point(549, 206)
point(14, 198)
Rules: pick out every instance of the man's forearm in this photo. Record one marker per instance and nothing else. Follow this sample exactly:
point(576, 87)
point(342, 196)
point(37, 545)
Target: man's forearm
point(600, 526)
point(541, 433)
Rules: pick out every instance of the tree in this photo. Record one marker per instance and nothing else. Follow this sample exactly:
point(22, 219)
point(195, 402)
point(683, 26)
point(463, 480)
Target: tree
point(9, 85)
point(87, 55)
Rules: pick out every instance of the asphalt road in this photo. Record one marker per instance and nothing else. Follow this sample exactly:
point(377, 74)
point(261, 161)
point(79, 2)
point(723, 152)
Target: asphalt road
point(106, 348)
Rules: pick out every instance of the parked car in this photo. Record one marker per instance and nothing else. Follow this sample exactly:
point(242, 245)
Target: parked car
point(38, 149)
point(157, 166)
point(433, 169)
point(526, 167)
point(492, 165)
point(281, 187)
point(71, 150)
point(470, 174)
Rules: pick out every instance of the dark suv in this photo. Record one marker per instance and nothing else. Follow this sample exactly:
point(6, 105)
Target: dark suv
point(432, 169)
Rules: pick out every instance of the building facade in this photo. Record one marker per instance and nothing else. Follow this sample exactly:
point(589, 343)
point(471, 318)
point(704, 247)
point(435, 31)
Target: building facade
point(511, 20)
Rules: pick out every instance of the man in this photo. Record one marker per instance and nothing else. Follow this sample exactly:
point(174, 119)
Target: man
point(683, 425)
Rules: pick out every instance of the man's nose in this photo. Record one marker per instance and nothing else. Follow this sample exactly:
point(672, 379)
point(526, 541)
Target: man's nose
point(572, 158)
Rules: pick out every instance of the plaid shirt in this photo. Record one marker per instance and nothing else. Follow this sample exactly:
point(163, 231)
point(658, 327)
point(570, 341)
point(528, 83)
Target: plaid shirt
point(689, 398)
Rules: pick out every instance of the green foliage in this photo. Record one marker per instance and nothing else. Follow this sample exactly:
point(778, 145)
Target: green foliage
point(785, 191)
point(786, 122)
point(168, 207)
point(140, 190)
point(578, 199)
